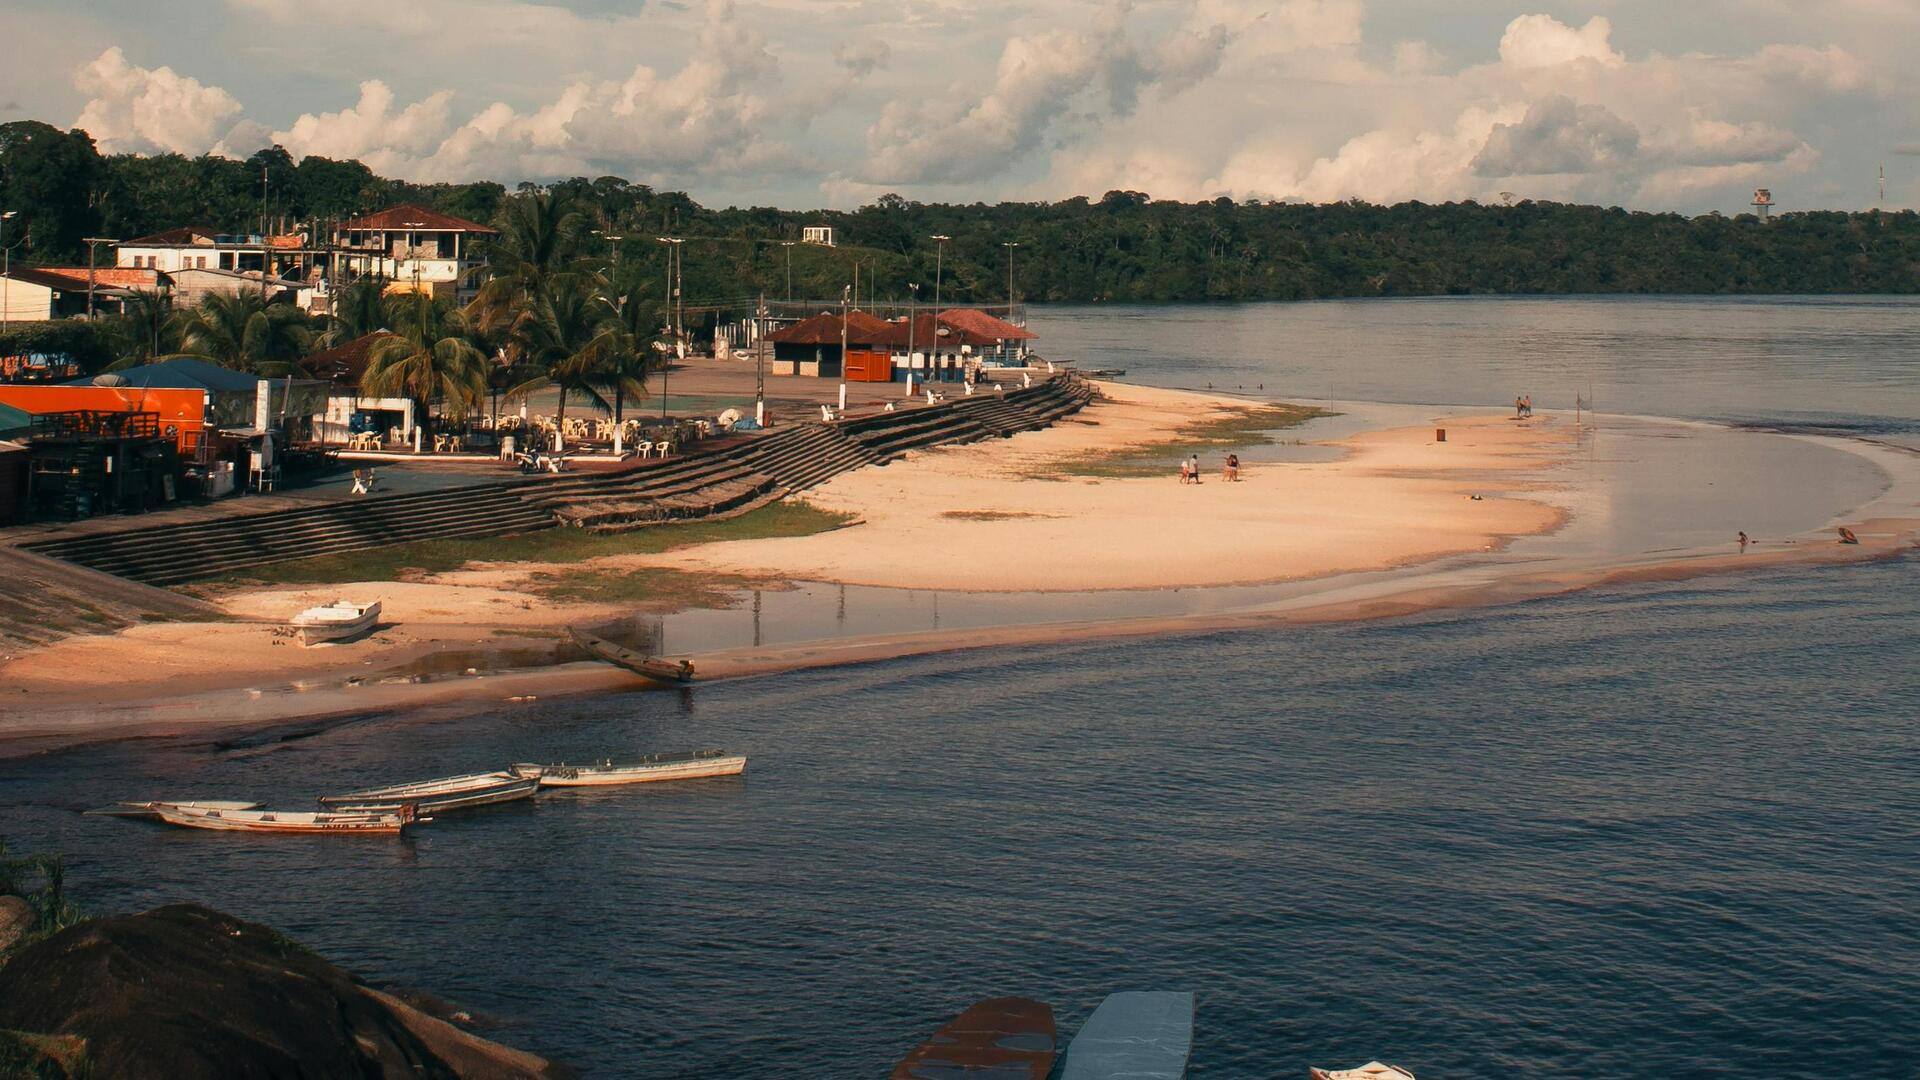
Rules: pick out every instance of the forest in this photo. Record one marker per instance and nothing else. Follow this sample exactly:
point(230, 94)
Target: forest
point(1123, 247)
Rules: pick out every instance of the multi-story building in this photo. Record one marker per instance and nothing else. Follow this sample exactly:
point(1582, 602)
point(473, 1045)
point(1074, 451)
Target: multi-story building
point(411, 248)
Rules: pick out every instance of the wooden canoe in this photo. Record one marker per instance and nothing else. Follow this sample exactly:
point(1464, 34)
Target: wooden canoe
point(150, 809)
point(997, 1039)
point(670, 672)
point(447, 793)
point(691, 765)
point(287, 821)
point(1139, 1036)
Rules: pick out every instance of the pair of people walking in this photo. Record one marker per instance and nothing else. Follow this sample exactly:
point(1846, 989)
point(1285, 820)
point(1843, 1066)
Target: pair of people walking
point(1190, 469)
point(1523, 406)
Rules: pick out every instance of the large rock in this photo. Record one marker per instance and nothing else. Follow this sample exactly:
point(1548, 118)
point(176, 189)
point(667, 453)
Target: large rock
point(184, 993)
point(17, 919)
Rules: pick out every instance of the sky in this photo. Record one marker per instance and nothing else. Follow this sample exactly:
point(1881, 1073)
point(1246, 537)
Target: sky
point(1684, 105)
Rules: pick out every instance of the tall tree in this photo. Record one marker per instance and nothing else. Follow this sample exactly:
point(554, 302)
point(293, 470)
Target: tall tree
point(555, 337)
point(48, 179)
point(427, 359)
point(245, 333)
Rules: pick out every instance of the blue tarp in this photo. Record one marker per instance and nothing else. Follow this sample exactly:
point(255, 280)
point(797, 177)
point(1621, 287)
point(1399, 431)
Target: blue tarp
point(13, 421)
point(185, 374)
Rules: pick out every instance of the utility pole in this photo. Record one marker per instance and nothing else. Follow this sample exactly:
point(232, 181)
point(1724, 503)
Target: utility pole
point(939, 258)
point(93, 243)
point(788, 244)
point(913, 296)
point(263, 234)
point(760, 364)
point(676, 312)
point(844, 291)
point(1010, 245)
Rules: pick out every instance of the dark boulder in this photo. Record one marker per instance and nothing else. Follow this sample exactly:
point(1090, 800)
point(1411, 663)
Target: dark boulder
point(184, 992)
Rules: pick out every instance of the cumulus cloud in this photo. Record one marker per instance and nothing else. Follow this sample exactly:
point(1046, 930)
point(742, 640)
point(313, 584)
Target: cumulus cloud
point(862, 57)
point(1533, 41)
point(1558, 136)
point(132, 109)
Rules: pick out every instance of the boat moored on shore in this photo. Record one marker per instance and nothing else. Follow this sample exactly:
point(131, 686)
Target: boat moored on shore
point(446, 793)
point(689, 765)
point(341, 620)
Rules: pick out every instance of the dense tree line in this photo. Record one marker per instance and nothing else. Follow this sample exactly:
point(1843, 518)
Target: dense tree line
point(1123, 247)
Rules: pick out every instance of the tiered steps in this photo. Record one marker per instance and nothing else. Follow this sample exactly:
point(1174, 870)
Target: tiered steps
point(698, 485)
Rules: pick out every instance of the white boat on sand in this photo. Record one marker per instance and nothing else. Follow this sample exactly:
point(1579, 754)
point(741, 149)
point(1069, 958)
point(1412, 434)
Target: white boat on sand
point(1372, 1070)
point(690, 765)
point(341, 620)
point(447, 793)
point(287, 821)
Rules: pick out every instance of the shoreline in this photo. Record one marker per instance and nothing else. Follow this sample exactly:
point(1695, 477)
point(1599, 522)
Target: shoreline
point(519, 659)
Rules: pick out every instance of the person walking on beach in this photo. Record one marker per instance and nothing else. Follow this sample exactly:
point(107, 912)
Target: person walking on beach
point(1519, 407)
point(1231, 471)
point(1193, 467)
point(1186, 472)
point(1526, 406)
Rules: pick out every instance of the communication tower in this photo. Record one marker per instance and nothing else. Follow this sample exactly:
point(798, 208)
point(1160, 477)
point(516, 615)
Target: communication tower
point(1762, 202)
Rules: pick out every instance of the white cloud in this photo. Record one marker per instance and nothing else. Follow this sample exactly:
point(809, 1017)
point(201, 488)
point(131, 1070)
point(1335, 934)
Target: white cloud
point(151, 110)
point(1544, 41)
point(1558, 136)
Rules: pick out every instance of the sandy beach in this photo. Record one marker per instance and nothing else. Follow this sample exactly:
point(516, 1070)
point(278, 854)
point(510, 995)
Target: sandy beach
point(1077, 508)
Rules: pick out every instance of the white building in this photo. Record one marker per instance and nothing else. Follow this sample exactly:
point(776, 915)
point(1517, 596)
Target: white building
point(193, 248)
point(410, 248)
point(817, 234)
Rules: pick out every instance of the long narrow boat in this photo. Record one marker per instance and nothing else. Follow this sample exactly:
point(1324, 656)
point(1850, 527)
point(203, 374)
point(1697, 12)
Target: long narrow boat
point(1372, 1070)
point(446, 793)
point(670, 672)
point(1136, 1035)
point(150, 809)
point(997, 1039)
point(691, 765)
point(288, 821)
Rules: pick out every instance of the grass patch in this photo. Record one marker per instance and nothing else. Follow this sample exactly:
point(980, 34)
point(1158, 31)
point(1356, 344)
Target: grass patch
point(790, 517)
point(1236, 429)
point(648, 585)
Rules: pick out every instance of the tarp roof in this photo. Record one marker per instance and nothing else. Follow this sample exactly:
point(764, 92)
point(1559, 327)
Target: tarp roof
point(185, 374)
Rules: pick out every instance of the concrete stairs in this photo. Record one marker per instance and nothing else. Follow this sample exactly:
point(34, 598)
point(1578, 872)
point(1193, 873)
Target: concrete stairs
point(694, 486)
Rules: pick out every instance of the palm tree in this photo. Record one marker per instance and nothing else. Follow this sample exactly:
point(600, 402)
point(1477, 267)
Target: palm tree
point(428, 357)
point(358, 310)
point(245, 333)
point(540, 239)
point(145, 330)
point(622, 356)
point(555, 335)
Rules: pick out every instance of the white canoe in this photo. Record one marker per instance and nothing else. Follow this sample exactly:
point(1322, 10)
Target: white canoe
point(338, 621)
point(690, 765)
point(446, 793)
point(151, 809)
point(285, 821)
point(1140, 1035)
point(1372, 1070)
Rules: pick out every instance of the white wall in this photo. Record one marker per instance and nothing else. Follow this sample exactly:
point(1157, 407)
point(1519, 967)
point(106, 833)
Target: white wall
point(24, 301)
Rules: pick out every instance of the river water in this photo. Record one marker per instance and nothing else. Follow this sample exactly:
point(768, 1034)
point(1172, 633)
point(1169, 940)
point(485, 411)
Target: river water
point(1665, 829)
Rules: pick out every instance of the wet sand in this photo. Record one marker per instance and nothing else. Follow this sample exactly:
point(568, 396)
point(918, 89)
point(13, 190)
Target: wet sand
point(1557, 504)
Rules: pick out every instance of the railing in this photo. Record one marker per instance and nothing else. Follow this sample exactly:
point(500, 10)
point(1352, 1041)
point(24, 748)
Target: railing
point(83, 423)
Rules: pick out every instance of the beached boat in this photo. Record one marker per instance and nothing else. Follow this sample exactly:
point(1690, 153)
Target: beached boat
point(1136, 1035)
point(148, 809)
point(341, 620)
point(691, 765)
point(671, 672)
point(446, 793)
point(1372, 1070)
point(287, 821)
point(1003, 1038)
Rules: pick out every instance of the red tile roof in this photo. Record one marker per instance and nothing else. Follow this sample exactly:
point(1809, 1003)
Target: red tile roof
point(926, 331)
point(824, 329)
point(412, 216)
point(179, 237)
point(975, 321)
point(123, 277)
point(345, 363)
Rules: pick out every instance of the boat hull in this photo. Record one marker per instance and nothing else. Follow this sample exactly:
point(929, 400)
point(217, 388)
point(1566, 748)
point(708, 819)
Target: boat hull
point(268, 821)
point(502, 787)
point(321, 630)
point(1005, 1038)
point(641, 773)
point(1138, 1036)
point(665, 672)
point(149, 810)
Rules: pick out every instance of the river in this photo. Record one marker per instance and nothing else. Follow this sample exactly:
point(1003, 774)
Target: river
point(1650, 830)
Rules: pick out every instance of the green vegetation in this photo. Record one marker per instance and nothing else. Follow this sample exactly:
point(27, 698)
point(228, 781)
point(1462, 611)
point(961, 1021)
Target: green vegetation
point(1235, 429)
point(787, 518)
point(40, 880)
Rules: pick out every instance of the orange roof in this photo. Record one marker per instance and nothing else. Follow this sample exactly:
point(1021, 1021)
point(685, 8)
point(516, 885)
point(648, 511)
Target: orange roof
point(413, 216)
point(979, 323)
point(119, 277)
point(824, 329)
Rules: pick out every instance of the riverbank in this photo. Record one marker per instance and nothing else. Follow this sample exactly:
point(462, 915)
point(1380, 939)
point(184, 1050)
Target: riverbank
point(1398, 523)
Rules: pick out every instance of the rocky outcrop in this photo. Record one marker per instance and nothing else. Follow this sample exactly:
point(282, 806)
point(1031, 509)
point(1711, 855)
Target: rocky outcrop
point(184, 992)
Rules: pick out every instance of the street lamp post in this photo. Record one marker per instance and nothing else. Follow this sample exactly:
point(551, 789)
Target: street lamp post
point(6, 270)
point(676, 311)
point(1009, 245)
point(788, 244)
point(939, 258)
